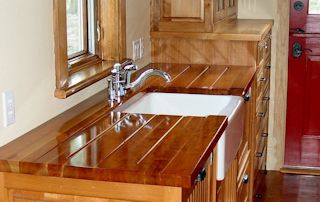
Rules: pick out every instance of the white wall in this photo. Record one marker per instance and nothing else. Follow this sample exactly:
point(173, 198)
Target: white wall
point(27, 61)
point(138, 25)
point(266, 9)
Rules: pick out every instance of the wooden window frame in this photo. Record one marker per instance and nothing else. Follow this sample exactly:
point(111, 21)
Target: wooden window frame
point(88, 68)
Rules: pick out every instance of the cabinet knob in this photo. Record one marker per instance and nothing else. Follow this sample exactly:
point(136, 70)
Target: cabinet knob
point(259, 154)
point(245, 179)
point(261, 114)
point(202, 175)
point(264, 135)
point(267, 98)
point(263, 79)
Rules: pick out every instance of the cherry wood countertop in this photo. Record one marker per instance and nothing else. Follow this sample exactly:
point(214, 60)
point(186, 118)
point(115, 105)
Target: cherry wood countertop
point(90, 141)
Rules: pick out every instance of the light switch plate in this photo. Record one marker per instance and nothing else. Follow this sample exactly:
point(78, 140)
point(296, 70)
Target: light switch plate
point(141, 48)
point(8, 106)
point(136, 50)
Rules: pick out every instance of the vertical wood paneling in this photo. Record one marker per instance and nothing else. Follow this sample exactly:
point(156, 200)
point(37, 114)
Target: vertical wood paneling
point(3, 190)
point(197, 51)
point(276, 149)
point(203, 191)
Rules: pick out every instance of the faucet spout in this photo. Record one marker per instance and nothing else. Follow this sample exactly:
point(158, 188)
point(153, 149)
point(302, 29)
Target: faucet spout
point(120, 81)
point(145, 75)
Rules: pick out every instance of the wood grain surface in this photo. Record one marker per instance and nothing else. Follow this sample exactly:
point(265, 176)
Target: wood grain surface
point(90, 141)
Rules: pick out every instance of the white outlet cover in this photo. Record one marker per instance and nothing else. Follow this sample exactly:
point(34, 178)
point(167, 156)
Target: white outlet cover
point(141, 48)
point(8, 106)
point(136, 50)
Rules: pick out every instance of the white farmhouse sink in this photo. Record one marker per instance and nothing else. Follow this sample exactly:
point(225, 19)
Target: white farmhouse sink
point(197, 105)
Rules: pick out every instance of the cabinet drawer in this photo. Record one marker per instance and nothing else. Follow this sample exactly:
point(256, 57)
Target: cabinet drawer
point(264, 49)
point(261, 117)
point(261, 139)
point(260, 162)
point(243, 155)
point(263, 79)
point(262, 111)
point(243, 184)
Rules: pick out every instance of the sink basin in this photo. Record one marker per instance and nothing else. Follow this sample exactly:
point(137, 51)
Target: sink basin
point(197, 105)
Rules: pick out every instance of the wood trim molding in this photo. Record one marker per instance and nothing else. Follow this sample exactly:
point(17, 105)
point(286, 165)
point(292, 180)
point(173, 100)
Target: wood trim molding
point(281, 80)
point(112, 17)
point(60, 39)
point(300, 171)
point(90, 188)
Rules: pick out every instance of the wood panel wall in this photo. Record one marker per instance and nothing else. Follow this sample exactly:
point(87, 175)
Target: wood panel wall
point(198, 51)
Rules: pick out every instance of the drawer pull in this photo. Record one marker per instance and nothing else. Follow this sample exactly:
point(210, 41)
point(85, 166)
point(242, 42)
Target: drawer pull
point(264, 134)
point(263, 79)
point(202, 175)
point(261, 114)
point(259, 154)
point(245, 179)
point(267, 98)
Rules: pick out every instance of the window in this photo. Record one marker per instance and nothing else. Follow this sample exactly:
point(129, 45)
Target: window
point(83, 54)
point(314, 7)
point(82, 27)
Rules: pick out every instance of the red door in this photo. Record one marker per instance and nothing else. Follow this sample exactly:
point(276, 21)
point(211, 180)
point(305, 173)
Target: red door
point(303, 114)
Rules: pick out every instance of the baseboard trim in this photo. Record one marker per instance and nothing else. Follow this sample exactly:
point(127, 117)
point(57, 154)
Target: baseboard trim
point(300, 170)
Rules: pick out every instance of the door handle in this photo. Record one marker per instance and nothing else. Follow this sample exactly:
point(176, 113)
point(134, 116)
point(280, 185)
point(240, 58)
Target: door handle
point(297, 50)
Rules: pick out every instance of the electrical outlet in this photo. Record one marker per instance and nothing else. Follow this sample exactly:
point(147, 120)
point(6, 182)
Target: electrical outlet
point(141, 48)
point(136, 50)
point(8, 105)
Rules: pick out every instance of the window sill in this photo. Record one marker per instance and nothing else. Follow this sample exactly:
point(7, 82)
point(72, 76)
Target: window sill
point(84, 78)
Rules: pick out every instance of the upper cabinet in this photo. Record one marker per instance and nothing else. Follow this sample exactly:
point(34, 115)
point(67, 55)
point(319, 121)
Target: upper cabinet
point(224, 9)
point(190, 15)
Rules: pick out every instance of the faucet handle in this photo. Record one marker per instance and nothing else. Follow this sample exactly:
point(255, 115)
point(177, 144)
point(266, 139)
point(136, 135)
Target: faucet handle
point(131, 67)
point(116, 68)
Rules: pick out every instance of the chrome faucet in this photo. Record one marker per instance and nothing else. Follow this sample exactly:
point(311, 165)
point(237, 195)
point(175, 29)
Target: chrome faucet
point(120, 81)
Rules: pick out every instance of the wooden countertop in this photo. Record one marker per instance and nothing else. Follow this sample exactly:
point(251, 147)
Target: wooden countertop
point(89, 141)
point(233, 29)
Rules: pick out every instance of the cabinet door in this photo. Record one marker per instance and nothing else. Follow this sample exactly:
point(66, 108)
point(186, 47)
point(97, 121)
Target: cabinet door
point(186, 10)
point(182, 15)
point(224, 9)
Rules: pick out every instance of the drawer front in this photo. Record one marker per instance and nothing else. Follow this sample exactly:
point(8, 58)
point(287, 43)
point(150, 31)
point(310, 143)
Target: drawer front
point(243, 156)
point(260, 162)
point(262, 110)
point(243, 184)
point(261, 139)
point(264, 49)
point(263, 79)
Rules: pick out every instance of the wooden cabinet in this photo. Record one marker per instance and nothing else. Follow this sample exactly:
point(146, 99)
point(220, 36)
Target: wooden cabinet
point(232, 47)
point(190, 15)
point(227, 189)
point(260, 128)
point(31, 188)
point(224, 9)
